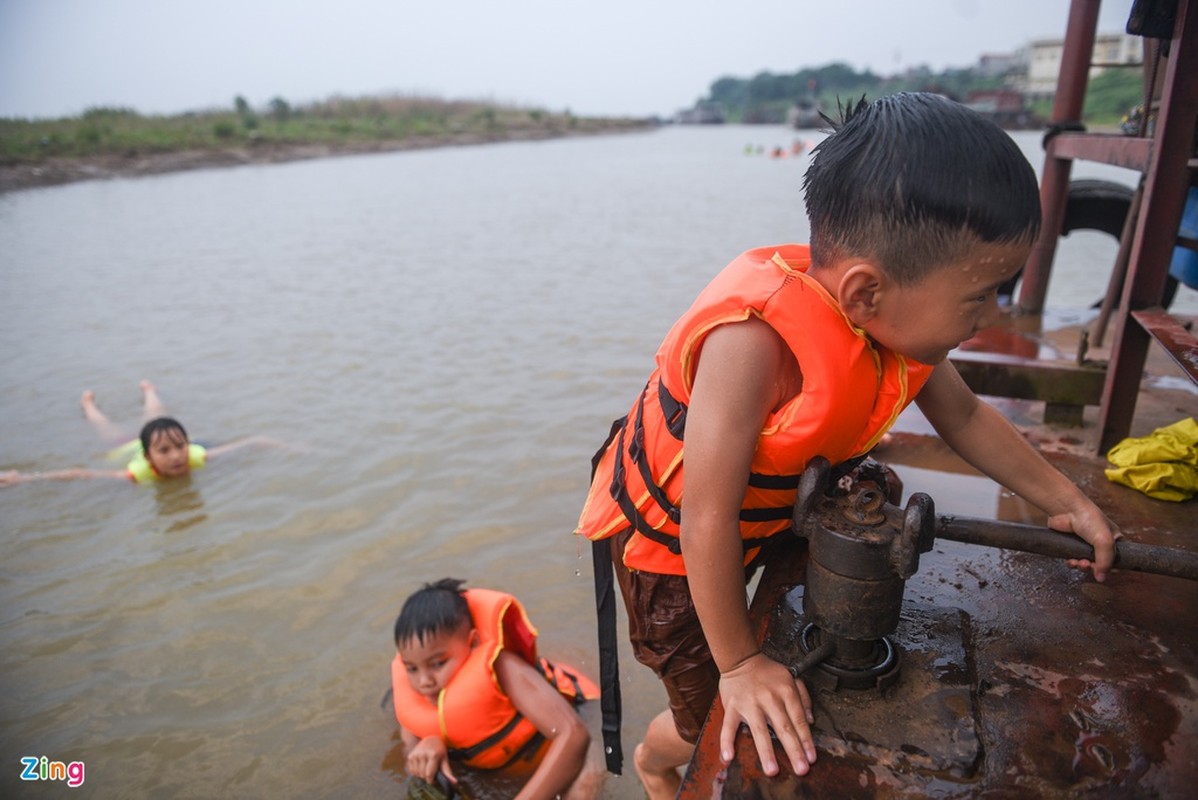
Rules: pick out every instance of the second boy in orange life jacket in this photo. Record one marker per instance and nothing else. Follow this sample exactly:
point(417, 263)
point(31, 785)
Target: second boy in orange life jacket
point(470, 688)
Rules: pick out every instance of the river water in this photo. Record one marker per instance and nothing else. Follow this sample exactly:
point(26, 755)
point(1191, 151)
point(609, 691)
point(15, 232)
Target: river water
point(439, 337)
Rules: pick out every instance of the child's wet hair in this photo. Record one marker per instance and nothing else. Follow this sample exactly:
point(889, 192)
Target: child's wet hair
point(435, 608)
point(915, 181)
point(165, 425)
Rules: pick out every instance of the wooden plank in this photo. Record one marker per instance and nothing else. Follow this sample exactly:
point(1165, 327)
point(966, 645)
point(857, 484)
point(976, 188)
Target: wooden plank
point(1000, 375)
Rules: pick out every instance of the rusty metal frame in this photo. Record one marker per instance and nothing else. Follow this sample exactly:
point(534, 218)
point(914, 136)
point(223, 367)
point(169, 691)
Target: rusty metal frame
point(1166, 181)
point(1165, 160)
point(1054, 184)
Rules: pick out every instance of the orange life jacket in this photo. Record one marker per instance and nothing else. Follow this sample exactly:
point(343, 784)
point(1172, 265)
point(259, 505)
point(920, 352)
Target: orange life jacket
point(852, 392)
point(477, 721)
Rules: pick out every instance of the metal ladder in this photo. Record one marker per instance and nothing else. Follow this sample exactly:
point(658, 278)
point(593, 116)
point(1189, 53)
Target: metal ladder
point(1167, 162)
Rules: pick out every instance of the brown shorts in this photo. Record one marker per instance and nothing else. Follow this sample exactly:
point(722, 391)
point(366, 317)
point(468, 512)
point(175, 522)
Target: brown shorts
point(667, 638)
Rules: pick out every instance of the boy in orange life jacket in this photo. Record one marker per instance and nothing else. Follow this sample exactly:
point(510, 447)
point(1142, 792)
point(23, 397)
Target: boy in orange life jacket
point(468, 685)
point(919, 210)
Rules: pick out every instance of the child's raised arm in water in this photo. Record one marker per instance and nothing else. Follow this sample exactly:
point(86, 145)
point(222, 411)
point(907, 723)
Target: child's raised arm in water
point(469, 687)
point(162, 450)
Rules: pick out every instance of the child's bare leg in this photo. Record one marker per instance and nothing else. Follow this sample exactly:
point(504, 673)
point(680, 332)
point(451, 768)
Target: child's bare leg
point(97, 418)
point(588, 784)
point(658, 758)
point(152, 405)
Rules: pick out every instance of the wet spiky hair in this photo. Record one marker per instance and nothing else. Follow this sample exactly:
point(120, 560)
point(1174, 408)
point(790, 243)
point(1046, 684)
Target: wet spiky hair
point(435, 608)
point(914, 181)
point(843, 112)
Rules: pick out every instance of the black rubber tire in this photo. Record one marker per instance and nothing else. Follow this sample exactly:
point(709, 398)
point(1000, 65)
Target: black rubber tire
point(1097, 205)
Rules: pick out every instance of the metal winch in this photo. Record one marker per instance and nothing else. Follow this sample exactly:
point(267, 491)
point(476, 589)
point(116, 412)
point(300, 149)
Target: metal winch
point(862, 549)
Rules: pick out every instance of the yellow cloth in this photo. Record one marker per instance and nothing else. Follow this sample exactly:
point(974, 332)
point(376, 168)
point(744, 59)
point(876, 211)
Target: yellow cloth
point(1163, 464)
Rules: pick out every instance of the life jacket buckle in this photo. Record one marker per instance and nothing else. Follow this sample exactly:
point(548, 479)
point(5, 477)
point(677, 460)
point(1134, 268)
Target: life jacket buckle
point(636, 448)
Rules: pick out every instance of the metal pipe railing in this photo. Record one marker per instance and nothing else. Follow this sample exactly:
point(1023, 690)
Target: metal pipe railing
point(1046, 542)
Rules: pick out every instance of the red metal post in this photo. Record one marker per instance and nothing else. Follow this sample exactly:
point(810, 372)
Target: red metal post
point(1054, 183)
point(1164, 196)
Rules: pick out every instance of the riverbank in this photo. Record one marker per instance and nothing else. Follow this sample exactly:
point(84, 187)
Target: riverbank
point(55, 171)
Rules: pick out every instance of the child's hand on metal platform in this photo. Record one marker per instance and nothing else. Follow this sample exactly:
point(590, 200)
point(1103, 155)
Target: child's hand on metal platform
point(763, 695)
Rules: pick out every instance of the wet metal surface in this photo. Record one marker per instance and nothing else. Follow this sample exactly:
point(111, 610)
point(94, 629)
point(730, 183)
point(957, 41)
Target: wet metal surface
point(933, 724)
point(1059, 686)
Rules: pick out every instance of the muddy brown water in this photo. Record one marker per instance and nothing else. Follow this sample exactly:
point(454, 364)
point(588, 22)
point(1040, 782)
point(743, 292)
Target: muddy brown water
point(440, 337)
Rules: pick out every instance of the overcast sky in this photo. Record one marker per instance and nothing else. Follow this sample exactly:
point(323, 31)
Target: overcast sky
point(605, 57)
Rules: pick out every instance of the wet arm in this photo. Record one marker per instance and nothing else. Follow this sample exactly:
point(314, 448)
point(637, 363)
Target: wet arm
point(425, 757)
point(555, 719)
point(410, 740)
point(736, 386)
point(984, 438)
point(11, 477)
point(237, 444)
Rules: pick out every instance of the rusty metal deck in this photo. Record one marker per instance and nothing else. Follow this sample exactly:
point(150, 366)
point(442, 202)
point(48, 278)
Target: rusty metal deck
point(1021, 678)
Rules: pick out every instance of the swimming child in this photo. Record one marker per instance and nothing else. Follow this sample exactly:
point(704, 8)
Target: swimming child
point(161, 451)
point(919, 209)
point(469, 688)
point(151, 407)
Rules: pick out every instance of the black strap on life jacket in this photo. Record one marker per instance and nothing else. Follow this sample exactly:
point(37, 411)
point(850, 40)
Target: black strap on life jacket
point(636, 451)
point(675, 420)
point(467, 753)
point(605, 612)
point(619, 487)
point(673, 411)
point(550, 671)
point(609, 657)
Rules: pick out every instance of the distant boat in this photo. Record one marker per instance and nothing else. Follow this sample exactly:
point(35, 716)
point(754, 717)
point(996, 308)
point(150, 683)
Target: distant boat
point(702, 114)
point(1006, 107)
point(805, 114)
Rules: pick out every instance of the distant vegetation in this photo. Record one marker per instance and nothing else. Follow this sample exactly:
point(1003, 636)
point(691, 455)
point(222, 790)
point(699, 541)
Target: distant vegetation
point(363, 123)
point(767, 97)
point(1112, 94)
point(342, 122)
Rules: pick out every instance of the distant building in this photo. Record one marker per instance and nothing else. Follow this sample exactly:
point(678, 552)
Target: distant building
point(992, 65)
point(1044, 60)
point(705, 113)
point(1006, 107)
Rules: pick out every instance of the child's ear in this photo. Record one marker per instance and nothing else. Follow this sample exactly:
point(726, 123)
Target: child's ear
point(474, 637)
point(860, 292)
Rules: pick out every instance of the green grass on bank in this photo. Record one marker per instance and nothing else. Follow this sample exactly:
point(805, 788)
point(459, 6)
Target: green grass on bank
point(337, 121)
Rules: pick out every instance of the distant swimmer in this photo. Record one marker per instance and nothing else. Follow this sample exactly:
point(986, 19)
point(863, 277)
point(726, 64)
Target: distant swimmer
point(162, 450)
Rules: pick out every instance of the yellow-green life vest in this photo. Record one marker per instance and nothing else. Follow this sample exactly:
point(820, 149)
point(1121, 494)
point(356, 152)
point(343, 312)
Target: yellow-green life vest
point(141, 471)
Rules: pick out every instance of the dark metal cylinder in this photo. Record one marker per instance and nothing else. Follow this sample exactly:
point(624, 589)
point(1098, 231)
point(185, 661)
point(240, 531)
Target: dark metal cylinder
point(850, 608)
